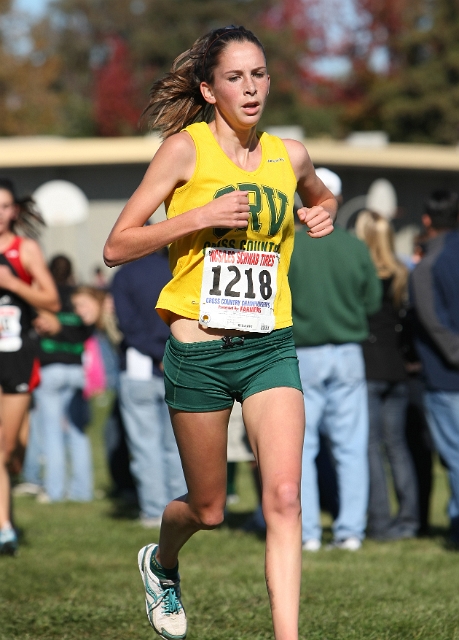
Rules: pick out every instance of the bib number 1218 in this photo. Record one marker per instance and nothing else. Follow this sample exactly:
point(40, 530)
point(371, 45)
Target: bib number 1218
point(238, 289)
point(264, 283)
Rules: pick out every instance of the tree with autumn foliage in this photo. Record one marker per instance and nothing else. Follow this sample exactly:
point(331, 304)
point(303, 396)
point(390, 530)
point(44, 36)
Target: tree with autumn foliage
point(115, 109)
point(295, 35)
point(28, 103)
point(416, 99)
point(91, 64)
point(109, 53)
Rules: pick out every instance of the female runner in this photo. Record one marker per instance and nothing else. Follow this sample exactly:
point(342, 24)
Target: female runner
point(25, 282)
point(229, 197)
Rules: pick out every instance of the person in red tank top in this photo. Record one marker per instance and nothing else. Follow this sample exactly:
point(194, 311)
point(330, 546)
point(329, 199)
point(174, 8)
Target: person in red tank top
point(25, 285)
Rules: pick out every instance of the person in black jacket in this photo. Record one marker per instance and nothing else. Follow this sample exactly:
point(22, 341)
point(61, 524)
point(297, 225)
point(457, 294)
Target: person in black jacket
point(435, 296)
point(387, 390)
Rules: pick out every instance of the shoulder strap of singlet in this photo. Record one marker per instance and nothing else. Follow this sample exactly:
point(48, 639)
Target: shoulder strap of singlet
point(7, 263)
point(11, 257)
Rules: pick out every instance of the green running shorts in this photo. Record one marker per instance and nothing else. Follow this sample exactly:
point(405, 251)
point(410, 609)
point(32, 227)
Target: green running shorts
point(211, 375)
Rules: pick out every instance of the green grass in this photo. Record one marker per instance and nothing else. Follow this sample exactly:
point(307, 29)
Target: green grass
point(76, 578)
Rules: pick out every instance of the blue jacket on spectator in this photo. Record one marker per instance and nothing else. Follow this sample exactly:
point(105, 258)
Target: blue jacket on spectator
point(138, 284)
point(434, 294)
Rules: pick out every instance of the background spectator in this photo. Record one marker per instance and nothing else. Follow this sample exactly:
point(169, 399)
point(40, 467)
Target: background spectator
point(387, 389)
point(101, 364)
point(155, 462)
point(435, 297)
point(60, 411)
point(334, 288)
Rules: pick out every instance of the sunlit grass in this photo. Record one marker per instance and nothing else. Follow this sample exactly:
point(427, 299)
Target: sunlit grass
point(76, 578)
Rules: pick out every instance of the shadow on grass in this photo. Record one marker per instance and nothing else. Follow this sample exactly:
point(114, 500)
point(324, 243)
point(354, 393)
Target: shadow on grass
point(237, 519)
point(242, 521)
point(123, 506)
point(435, 532)
point(22, 536)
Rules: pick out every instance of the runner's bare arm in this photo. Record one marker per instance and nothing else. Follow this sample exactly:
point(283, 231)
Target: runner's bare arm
point(42, 293)
point(321, 206)
point(172, 166)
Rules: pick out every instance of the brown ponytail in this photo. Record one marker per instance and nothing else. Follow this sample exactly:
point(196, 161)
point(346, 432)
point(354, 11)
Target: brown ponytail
point(176, 99)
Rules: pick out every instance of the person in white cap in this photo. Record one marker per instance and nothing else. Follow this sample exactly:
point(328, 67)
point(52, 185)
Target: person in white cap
point(334, 288)
point(331, 180)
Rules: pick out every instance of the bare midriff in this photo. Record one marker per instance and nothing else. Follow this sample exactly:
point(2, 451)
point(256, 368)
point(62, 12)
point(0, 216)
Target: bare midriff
point(189, 330)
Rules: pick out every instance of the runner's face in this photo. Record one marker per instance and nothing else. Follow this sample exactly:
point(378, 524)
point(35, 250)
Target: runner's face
point(240, 85)
point(8, 210)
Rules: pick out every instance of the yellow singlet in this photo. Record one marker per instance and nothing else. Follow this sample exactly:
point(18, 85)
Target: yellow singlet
point(271, 190)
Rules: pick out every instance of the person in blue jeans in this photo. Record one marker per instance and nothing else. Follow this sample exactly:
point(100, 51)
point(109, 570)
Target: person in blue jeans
point(334, 288)
point(60, 413)
point(388, 389)
point(101, 365)
point(435, 297)
point(155, 462)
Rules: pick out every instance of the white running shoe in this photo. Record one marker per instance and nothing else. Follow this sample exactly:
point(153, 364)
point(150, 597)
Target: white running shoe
point(349, 544)
point(26, 489)
point(312, 545)
point(164, 608)
point(153, 522)
point(43, 497)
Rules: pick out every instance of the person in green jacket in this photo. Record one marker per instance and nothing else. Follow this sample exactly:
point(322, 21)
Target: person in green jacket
point(334, 288)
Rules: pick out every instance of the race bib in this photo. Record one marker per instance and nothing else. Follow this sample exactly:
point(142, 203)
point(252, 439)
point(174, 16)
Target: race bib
point(10, 328)
point(238, 289)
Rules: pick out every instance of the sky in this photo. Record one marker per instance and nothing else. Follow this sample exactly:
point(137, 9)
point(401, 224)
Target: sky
point(327, 66)
point(35, 7)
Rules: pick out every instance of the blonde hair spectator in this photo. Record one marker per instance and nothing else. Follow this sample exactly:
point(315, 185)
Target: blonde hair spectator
point(378, 234)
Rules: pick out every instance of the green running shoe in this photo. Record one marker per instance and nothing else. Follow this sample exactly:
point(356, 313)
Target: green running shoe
point(164, 608)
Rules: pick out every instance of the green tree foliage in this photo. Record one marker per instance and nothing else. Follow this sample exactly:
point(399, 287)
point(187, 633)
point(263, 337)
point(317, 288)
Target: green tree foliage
point(91, 63)
point(28, 105)
point(5, 7)
point(91, 86)
point(417, 99)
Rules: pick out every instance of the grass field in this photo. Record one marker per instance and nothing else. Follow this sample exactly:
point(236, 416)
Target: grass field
point(76, 578)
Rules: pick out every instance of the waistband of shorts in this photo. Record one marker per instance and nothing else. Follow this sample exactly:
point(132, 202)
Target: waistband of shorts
point(213, 346)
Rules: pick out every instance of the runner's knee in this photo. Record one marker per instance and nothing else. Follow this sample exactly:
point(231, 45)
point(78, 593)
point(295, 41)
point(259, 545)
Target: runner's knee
point(208, 516)
point(282, 499)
